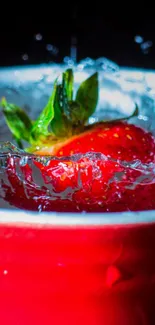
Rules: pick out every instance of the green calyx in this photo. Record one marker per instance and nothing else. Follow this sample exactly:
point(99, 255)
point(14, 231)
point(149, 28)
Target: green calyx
point(62, 117)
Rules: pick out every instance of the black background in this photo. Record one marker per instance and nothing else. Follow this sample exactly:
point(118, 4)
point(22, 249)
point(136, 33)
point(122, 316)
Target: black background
point(100, 29)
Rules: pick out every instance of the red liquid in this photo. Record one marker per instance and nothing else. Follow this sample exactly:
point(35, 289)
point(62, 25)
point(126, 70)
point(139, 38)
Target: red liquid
point(84, 276)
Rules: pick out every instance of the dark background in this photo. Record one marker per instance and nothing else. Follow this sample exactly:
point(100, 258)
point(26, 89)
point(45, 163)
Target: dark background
point(109, 30)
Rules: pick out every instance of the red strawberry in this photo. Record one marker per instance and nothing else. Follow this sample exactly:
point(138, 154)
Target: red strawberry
point(101, 180)
point(89, 184)
point(116, 140)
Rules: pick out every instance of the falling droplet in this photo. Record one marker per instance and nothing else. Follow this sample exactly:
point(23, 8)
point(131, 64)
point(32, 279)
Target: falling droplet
point(52, 49)
point(73, 50)
point(68, 61)
point(40, 208)
point(25, 57)
point(138, 39)
point(49, 47)
point(146, 46)
point(38, 37)
point(23, 161)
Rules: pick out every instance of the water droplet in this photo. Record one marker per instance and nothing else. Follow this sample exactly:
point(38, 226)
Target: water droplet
point(60, 264)
point(107, 65)
point(146, 46)
point(138, 39)
point(49, 47)
point(49, 79)
point(25, 57)
point(40, 208)
point(66, 58)
point(68, 61)
point(93, 120)
point(17, 73)
point(23, 161)
point(5, 272)
point(38, 37)
point(73, 49)
point(113, 275)
point(86, 63)
point(80, 67)
point(142, 117)
point(52, 49)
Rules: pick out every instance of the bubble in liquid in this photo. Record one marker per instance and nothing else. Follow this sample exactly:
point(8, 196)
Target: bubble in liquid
point(38, 37)
point(25, 57)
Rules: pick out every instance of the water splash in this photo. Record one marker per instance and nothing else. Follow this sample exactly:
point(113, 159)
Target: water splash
point(79, 182)
point(119, 90)
point(68, 61)
point(106, 65)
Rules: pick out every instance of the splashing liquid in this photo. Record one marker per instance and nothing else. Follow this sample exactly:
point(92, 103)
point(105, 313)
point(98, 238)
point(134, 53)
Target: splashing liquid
point(119, 90)
point(90, 182)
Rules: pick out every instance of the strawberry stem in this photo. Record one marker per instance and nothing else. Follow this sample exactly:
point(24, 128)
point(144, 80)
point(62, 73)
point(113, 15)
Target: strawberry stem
point(126, 118)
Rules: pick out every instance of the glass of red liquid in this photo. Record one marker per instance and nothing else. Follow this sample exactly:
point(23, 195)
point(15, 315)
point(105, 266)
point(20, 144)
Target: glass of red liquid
point(77, 269)
point(71, 269)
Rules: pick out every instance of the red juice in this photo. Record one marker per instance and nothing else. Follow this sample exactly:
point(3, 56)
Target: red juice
point(79, 274)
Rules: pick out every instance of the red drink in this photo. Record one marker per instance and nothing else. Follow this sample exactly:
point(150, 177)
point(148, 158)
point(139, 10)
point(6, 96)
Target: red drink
point(79, 274)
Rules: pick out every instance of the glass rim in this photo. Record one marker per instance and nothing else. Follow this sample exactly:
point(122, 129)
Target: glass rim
point(68, 219)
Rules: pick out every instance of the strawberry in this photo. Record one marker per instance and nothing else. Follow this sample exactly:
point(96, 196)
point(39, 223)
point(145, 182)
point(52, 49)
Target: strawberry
point(115, 140)
point(107, 166)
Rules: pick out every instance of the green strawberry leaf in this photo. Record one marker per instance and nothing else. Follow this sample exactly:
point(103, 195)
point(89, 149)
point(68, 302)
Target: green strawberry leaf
point(62, 116)
point(68, 81)
point(134, 114)
point(40, 126)
point(77, 116)
point(87, 97)
point(17, 120)
point(60, 123)
point(125, 118)
point(70, 115)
